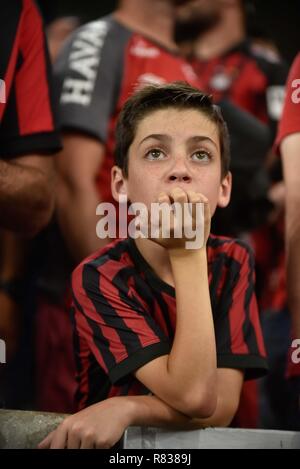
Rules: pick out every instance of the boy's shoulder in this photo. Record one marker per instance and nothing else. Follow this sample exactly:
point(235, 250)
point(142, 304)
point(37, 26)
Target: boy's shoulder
point(117, 256)
point(107, 260)
point(234, 248)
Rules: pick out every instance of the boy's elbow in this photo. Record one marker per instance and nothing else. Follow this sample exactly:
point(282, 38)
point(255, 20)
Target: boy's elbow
point(202, 405)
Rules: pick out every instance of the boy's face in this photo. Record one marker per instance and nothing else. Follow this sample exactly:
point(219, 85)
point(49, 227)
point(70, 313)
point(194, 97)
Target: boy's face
point(174, 148)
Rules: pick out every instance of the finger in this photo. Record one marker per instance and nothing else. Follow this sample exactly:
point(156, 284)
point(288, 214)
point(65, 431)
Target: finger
point(180, 199)
point(60, 438)
point(87, 443)
point(46, 442)
point(166, 221)
point(207, 215)
point(163, 198)
point(178, 195)
point(74, 440)
point(194, 210)
point(194, 197)
point(197, 197)
point(164, 211)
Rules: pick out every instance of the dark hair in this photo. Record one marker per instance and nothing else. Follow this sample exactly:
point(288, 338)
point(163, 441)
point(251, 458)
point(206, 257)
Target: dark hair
point(178, 95)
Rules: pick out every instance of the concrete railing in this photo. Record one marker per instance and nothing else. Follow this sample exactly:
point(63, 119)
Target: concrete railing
point(20, 429)
point(210, 438)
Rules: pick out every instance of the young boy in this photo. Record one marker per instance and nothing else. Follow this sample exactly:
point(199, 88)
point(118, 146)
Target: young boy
point(164, 335)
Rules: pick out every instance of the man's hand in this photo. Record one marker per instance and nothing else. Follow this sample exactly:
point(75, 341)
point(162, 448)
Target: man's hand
point(187, 219)
point(98, 426)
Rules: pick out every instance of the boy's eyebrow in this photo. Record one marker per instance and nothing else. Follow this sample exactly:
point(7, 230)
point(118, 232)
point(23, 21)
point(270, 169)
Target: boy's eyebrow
point(165, 137)
point(202, 138)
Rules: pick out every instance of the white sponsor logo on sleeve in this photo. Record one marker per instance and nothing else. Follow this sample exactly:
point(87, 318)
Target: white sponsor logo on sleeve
point(189, 73)
point(141, 49)
point(84, 59)
point(275, 101)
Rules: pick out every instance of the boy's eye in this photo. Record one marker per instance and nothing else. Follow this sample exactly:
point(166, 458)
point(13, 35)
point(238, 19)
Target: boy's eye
point(201, 155)
point(154, 154)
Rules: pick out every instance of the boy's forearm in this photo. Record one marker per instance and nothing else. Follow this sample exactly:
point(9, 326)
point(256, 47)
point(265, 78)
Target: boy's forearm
point(150, 411)
point(192, 360)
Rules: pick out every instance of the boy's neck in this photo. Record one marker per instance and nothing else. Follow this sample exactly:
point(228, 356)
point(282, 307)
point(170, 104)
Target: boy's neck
point(158, 259)
point(152, 19)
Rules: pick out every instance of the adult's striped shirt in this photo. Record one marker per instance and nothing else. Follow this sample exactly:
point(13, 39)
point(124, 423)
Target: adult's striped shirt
point(27, 121)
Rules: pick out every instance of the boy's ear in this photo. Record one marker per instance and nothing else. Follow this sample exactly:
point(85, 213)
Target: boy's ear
point(118, 183)
point(225, 190)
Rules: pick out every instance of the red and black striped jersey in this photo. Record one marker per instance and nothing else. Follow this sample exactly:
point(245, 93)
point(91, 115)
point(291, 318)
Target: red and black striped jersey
point(290, 121)
point(27, 123)
point(250, 76)
point(124, 316)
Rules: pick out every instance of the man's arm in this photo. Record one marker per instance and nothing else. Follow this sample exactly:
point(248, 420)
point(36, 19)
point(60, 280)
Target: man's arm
point(78, 166)
point(26, 193)
point(290, 150)
point(102, 425)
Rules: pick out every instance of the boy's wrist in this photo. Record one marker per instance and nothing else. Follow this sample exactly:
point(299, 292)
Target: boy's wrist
point(128, 410)
point(183, 254)
point(136, 412)
point(188, 265)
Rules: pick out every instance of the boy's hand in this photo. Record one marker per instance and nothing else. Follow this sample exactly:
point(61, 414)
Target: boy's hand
point(98, 426)
point(192, 223)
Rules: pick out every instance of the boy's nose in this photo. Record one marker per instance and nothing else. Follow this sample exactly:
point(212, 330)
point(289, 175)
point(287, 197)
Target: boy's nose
point(179, 170)
point(179, 177)
point(179, 173)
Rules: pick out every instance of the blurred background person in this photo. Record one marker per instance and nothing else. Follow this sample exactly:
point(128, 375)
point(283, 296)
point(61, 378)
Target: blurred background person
point(250, 75)
point(28, 136)
point(231, 65)
point(57, 31)
point(288, 144)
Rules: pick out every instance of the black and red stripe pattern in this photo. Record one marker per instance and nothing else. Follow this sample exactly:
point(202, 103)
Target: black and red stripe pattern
point(124, 316)
point(27, 116)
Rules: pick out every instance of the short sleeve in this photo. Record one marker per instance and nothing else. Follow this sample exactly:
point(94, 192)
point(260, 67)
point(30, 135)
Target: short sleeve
point(275, 92)
point(237, 326)
point(88, 76)
point(290, 121)
point(118, 328)
point(29, 124)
